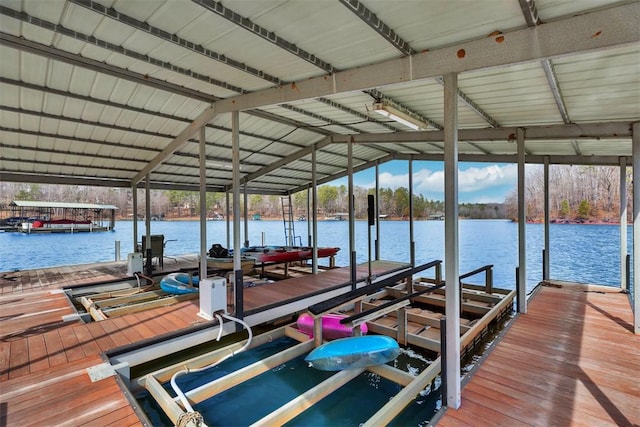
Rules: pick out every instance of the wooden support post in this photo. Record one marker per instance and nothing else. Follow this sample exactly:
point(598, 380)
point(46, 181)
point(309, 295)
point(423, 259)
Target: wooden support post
point(402, 327)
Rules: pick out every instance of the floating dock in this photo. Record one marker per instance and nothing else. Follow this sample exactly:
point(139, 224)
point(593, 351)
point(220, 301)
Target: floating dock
point(577, 338)
point(409, 312)
point(571, 360)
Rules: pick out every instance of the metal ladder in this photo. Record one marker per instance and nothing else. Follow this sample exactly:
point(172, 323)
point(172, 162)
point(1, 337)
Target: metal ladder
point(287, 218)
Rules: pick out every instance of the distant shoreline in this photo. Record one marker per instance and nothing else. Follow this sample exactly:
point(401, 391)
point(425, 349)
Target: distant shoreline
point(556, 221)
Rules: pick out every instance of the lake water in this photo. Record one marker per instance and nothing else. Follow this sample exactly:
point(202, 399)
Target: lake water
point(582, 253)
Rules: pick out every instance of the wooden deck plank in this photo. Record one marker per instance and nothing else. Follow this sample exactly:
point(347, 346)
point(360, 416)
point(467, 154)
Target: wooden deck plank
point(43, 359)
point(19, 362)
point(71, 344)
point(100, 336)
point(5, 356)
point(121, 417)
point(38, 357)
point(55, 349)
point(85, 340)
point(569, 361)
point(129, 330)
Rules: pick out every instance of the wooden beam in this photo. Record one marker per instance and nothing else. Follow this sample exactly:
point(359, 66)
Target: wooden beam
point(397, 404)
point(301, 403)
point(206, 391)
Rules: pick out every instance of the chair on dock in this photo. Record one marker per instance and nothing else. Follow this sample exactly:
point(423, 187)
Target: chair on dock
point(157, 247)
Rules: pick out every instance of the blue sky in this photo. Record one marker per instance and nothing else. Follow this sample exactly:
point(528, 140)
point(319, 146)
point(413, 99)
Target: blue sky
point(477, 182)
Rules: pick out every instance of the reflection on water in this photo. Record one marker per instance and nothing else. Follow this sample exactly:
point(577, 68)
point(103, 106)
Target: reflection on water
point(583, 253)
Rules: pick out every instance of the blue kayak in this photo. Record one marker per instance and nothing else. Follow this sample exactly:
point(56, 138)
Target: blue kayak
point(354, 352)
point(178, 284)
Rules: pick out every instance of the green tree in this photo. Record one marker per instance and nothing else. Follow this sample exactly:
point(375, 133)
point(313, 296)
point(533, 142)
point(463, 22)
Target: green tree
point(564, 208)
point(584, 209)
point(327, 196)
point(401, 200)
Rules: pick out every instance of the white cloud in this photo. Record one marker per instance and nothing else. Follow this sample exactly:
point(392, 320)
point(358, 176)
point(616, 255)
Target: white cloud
point(470, 180)
point(479, 179)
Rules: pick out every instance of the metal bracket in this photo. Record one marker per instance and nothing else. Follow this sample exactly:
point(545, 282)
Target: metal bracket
point(104, 370)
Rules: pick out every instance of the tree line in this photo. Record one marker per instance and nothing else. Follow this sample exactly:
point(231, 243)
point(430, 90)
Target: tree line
point(577, 193)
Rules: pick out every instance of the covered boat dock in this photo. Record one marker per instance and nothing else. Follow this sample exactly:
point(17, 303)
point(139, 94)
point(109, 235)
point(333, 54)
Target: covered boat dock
point(246, 99)
point(63, 217)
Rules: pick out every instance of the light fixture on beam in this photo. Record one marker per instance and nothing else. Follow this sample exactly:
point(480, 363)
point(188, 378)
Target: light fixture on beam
point(399, 116)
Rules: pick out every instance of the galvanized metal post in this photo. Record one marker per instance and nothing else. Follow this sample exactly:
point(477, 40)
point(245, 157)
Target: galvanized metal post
point(636, 226)
point(545, 255)
point(452, 276)
point(314, 214)
point(246, 212)
point(134, 196)
point(202, 152)
point(237, 268)
point(623, 223)
point(522, 223)
point(228, 210)
point(412, 243)
point(352, 241)
point(377, 244)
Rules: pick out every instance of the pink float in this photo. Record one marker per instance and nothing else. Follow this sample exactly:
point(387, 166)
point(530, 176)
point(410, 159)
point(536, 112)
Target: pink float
point(331, 327)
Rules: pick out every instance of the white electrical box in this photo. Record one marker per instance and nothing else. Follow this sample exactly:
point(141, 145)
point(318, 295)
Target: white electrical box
point(213, 296)
point(134, 263)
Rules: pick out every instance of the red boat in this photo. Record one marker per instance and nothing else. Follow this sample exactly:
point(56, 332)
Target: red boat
point(280, 254)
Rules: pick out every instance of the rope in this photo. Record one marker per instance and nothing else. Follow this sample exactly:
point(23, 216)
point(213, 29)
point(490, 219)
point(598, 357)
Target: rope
point(190, 418)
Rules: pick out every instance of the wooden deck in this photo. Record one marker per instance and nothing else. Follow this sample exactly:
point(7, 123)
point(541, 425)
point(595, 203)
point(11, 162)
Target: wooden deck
point(43, 359)
point(571, 360)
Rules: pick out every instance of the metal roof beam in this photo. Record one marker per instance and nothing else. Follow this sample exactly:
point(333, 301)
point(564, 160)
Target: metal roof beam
point(381, 97)
point(19, 43)
point(256, 113)
point(228, 14)
point(344, 173)
point(530, 12)
point(59, 29)
point(173, 38)
point(473, 106)
point(295, 156)
point(554, 85)
point(378, 26)
point(131, 130)
point(322, 118)
point(357, 114)
point(615, 26)
point(606, 130)
point(388, 34)
point(531, 159)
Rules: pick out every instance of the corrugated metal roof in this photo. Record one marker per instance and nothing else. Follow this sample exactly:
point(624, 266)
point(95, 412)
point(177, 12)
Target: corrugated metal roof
point(65, 205)
point(94, 91)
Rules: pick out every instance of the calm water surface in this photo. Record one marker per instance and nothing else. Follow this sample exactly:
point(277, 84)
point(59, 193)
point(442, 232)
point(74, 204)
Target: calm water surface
point(582, 253)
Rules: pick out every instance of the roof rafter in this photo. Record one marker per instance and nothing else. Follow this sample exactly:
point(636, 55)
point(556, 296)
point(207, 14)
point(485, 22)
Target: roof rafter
point(228, 14)
point(100, 67)
point(601, 131)
point(173, 38)
point(530, 12)
point(76, 35)
point(573, 35)
point(357, 114)
point(370, 18)
point(381, 97)
point(392, 37)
